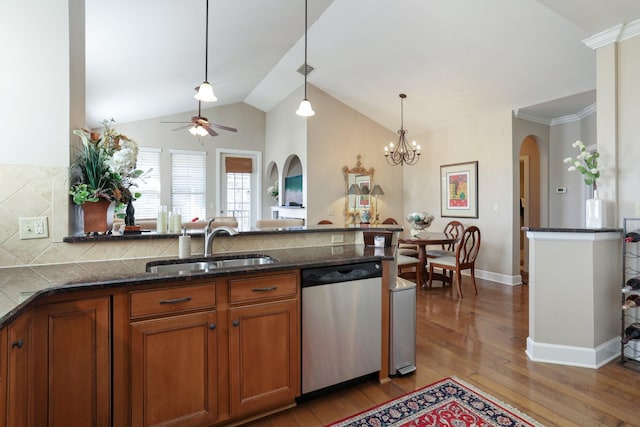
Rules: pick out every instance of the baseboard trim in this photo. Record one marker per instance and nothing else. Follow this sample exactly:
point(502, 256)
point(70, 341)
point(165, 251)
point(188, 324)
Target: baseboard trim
point(496, 277)
point(584, 357)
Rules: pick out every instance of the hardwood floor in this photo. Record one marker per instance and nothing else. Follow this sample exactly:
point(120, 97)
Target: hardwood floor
point(481, 339)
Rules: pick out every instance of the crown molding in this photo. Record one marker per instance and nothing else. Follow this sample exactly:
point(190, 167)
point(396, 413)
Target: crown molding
point(550, 121)
point(614, 34)
point(604, 38)
point(630, 30)
point(585, 112)
point(530, 117)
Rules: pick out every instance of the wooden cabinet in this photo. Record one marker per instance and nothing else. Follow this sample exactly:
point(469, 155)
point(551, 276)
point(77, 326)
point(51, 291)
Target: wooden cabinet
point(264, 343)
point(181, 354)
point(20, 373)
point(174, 361)
point(73, 363)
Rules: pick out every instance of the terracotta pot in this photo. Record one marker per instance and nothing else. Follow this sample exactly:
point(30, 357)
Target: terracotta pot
point(96, 216)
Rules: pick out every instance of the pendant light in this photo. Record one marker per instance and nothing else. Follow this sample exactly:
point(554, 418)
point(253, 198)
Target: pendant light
point(205, 90)
point(305, 109)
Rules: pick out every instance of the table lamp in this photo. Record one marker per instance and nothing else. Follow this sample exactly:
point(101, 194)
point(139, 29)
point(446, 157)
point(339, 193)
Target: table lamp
point(354, 190)
point(377, 191)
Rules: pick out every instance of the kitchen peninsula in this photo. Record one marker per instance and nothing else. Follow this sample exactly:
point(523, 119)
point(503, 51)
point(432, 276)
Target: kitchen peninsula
point(105, 342)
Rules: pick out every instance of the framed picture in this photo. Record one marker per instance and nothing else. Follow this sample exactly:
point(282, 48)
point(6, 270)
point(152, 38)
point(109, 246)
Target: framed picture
point(364, 182)
point(459, 190)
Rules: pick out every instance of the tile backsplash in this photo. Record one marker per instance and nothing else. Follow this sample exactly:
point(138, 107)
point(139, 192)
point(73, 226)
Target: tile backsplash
point(29, 191)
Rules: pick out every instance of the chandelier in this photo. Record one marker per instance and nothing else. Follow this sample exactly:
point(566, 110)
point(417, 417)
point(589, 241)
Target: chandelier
point(402, 153)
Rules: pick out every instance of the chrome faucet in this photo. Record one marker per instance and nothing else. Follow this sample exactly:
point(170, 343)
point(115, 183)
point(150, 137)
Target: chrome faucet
point(209, 234)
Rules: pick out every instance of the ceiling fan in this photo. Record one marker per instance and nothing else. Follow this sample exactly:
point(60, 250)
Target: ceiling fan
point(200, 126)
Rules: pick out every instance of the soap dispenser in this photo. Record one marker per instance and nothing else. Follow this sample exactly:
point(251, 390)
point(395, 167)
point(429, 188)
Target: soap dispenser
point(184, 244)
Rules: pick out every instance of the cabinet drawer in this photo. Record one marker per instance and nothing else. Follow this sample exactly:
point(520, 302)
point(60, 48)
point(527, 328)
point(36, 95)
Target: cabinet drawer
point(262, 288)
point(171, 300)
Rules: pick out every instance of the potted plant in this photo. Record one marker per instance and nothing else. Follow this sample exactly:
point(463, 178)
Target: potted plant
point(103, 173)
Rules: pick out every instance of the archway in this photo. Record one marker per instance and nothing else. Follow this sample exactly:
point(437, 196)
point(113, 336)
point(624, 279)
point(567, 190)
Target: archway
point(529, 200)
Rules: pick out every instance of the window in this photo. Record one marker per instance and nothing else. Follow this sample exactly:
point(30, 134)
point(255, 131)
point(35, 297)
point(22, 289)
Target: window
point(149, 185)
point(188, 183)
point(238, 196)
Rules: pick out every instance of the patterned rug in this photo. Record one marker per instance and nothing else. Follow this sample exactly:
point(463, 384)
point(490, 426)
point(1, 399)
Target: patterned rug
point(450, 402)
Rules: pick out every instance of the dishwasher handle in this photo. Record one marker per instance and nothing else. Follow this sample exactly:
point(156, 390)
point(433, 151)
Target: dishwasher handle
point(341, 273)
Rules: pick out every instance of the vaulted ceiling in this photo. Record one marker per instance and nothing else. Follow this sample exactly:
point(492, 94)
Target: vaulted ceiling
point(455, 59)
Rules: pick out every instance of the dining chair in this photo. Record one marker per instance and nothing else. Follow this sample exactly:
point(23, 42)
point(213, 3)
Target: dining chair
point(455, 228)
point(389, 221)
point(465, 258)
point(408, 267)
point(324, 221)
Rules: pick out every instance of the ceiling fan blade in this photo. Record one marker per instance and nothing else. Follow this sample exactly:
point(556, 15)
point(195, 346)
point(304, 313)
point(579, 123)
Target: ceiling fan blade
point(183, 127)
point(230, 129)
point(211, 131)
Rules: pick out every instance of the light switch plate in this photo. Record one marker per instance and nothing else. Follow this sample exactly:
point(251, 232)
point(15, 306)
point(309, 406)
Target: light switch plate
point(33, 228)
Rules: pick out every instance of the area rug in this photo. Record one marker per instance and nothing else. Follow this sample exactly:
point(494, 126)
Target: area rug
point(450, 402)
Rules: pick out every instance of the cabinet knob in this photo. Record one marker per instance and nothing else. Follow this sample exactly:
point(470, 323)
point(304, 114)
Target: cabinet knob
point(212, 326)
point(236, 323)
point(17, 344)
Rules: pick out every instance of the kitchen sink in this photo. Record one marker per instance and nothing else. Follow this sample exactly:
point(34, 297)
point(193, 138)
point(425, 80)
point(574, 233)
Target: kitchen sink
point(209, 265)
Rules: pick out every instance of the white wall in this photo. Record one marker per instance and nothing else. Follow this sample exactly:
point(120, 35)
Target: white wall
point(286, 135)
point(567, 210)
point(629, 128)
point(490, 143)
point(337, 135)
point(35, 83)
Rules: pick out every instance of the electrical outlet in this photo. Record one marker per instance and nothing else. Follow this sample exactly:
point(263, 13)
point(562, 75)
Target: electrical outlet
point(337, 238)
point(33, 228)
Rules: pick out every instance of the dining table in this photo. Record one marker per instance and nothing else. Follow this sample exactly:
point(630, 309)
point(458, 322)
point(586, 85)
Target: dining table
point(423, 239)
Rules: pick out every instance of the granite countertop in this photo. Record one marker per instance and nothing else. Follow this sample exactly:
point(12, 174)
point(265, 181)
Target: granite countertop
point(20, 287)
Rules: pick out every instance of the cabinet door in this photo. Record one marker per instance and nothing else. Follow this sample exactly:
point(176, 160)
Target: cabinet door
point(73, 363)
point(20, 373)
point(174, 371)
point(264, 361)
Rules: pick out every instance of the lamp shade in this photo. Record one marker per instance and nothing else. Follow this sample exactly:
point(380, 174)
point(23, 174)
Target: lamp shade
point(377, 191)
point(305, 109)
point(355, 189)
point(205, 93)
point(198, 131)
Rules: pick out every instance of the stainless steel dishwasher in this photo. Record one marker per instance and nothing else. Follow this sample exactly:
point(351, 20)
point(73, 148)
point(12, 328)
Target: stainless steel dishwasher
point(341, 324)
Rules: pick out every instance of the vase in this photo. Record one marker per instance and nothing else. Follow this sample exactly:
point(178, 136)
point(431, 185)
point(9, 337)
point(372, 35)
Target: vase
point(96, 217)
point(594, 212)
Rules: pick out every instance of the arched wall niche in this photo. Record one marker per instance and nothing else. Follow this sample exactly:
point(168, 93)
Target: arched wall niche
point(293, 182)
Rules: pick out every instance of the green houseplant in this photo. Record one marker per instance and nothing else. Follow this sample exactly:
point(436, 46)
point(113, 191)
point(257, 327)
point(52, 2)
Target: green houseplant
point(104, 171)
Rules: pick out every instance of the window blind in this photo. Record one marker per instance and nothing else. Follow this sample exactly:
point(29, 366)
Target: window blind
point(188, 183)
point(238, 164)
point(149, 184)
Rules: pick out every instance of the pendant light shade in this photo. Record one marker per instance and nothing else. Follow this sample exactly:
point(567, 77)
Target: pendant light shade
point(205, 93)
point(305, 109)
point(205, 90)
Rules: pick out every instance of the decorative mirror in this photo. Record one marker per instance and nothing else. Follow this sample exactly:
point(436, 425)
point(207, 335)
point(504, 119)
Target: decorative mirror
point(358, 182)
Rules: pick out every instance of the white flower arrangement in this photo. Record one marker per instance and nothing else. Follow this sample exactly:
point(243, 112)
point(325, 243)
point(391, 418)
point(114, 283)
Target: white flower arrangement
point(272, 191)
point(419, 220)
point(586, 163)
